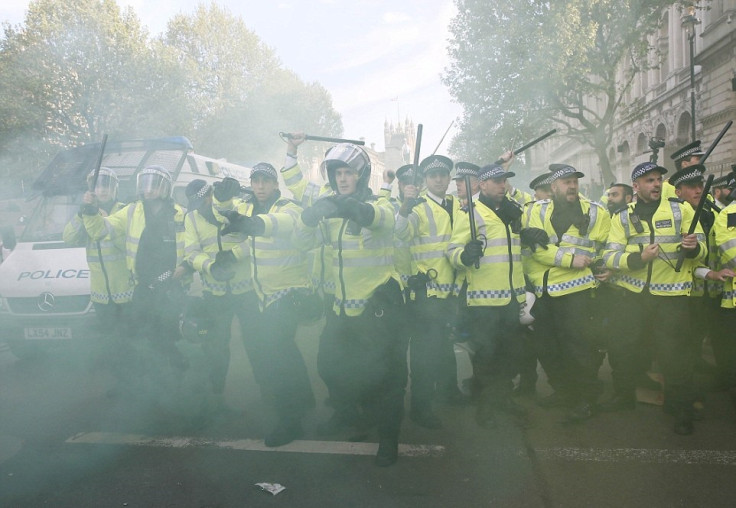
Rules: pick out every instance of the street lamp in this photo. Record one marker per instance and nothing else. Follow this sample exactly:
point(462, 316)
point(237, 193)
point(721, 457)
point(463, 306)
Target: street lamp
point(689, 20)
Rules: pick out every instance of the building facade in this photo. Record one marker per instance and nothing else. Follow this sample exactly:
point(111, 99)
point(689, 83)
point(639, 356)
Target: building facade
point(658, 102)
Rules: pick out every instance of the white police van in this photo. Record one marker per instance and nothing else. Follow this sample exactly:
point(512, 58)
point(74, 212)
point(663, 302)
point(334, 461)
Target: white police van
point(44, 283)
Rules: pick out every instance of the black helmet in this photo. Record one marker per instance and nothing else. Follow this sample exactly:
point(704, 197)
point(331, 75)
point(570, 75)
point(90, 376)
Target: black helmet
point(347, 155)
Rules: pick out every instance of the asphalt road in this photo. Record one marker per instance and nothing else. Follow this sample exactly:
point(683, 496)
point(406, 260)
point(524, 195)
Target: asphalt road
point(66, 441)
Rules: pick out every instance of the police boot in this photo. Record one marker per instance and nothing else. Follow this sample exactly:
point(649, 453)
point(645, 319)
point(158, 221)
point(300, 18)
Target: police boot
point(684, 422)
point(619, 402)
point(285, 432)
point(517, 411)
point(388, 452)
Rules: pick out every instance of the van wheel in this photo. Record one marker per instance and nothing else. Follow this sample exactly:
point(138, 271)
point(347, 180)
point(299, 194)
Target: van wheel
point(24, 351)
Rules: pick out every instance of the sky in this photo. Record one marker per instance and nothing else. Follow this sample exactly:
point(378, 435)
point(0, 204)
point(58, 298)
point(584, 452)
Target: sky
point(380, 60)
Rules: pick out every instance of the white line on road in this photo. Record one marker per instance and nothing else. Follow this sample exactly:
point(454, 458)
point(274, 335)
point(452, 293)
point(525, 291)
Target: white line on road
point(300, 446)
point(641, 455)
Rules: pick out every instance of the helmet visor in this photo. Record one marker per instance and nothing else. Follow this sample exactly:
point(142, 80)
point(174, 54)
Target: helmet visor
point(152, 185)
point(106, 187)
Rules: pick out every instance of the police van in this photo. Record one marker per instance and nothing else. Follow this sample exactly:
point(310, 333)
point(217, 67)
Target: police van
point(44, 283)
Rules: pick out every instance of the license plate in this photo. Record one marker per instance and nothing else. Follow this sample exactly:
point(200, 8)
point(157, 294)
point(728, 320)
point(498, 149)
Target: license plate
point(48, 333)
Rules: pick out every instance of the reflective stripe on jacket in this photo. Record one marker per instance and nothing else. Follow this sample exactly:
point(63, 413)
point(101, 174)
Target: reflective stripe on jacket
point(670, 221)
point(551, 269)
point(109, 275)
point(499, 277)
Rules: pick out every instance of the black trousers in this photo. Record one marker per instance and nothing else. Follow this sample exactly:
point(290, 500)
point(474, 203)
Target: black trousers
point(362, 359)
point(431, 353)
point(283, 374)
point(567, 351)
point(723, 341)
point(221, 309)
point(495, 336)
point(665, 321)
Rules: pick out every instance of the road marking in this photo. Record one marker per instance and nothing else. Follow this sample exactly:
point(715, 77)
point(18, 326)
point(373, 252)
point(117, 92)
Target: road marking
point(299, 446)
point(641, 455)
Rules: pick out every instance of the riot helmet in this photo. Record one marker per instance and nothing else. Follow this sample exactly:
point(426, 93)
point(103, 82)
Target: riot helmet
point(350, 156)
point(153, 182)
point(106, 187)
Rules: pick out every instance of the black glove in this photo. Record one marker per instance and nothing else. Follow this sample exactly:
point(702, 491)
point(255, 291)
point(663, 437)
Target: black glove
point(322, 208)
point(531, 237)
point(89, 209)
point(408, 205)
point(226, 189)
point(247, 225)
point(353, 209)
point(225, 257)
point(222, 269)
point(472, 252)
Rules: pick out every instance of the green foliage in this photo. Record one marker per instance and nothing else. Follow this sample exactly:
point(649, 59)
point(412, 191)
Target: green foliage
point(80, 68)
point(519, 68)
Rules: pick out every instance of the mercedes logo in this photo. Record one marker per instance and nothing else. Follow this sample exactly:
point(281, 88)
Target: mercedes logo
point(46, 302)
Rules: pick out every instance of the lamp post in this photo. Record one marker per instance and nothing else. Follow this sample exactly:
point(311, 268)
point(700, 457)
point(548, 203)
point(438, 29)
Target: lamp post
point(689, 20)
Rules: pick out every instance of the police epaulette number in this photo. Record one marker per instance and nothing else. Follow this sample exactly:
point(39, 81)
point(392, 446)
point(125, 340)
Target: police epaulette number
point(676, 200)
point(731, 220)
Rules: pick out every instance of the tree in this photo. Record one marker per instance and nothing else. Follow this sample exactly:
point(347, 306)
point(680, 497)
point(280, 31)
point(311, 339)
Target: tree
point(238, 94)
point(81, 68)
point(520, 67)
point(73, 71)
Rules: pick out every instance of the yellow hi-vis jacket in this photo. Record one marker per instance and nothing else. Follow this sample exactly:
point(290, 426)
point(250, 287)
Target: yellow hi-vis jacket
point(362, 258)
point(551, 269)
point(428, 229)
point(129, 223)
point(521, 197)
point(402, 255)
point(277, 265)
point(670, 222)
point(109, 276)
point(500, 276)
point(710, 288)
point(306, 193)
point(202, 242)
point(725, 231)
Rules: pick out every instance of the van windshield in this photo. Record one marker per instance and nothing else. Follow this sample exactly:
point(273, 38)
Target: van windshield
point(49, 217)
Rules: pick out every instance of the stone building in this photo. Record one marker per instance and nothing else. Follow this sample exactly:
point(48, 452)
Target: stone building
point(658, 102)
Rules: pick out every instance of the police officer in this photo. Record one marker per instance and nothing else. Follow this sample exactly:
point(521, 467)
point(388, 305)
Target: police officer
point(619, 196)
point(643, 247)
point(306, 192)
point(494, 288)
point(223, 264)
point(462, 169)
point(725, 236)
point(528, 361)
point(111, 287)
point(721, 192)
point(688, 155)
point(405, 176)
point(563, 283)
point(427, 226)
point(152, 229)
point(281, 281)
point(362, 352)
